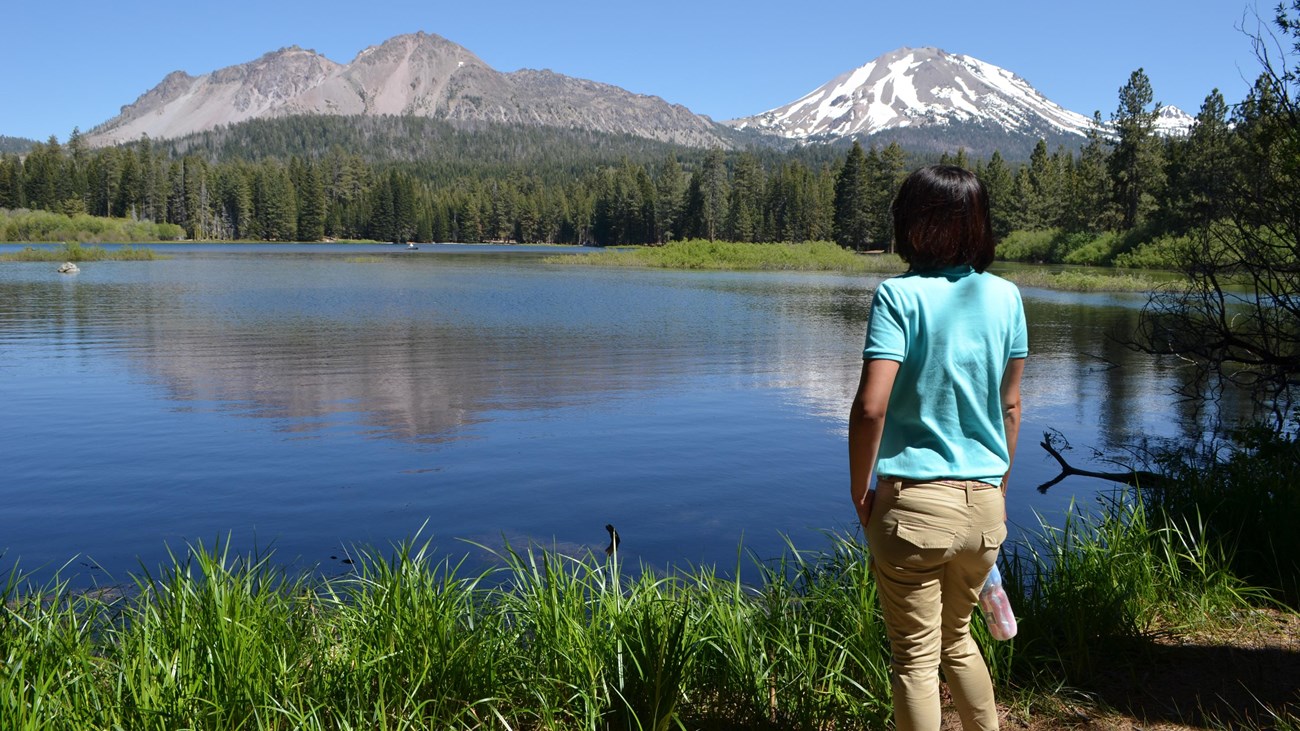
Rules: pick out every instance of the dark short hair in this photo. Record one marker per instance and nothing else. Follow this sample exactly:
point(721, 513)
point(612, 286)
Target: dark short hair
point(941, 219)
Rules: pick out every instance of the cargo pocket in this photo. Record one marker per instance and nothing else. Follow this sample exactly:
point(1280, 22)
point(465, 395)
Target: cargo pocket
point(924, 536)
point(994, 537)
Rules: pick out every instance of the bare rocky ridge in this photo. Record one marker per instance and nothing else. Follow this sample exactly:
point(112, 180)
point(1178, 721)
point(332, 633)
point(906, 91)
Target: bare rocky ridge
point(418, 74)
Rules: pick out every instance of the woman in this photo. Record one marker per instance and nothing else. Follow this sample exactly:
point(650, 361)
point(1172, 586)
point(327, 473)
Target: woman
point(936, 416)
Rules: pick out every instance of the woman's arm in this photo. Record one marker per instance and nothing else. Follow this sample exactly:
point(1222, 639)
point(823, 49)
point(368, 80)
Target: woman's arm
point(1011, 410)
point(866, 424)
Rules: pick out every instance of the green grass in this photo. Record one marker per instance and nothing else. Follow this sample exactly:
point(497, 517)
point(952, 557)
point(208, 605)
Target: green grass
point(77, 253)
point(825, 256)
point(1102, 585)
point(724, 255)
point(364, 259)
point(543, 640)
point(1077, 281)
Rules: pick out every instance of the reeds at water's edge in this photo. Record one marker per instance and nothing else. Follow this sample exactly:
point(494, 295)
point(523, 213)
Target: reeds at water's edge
point(411, 640)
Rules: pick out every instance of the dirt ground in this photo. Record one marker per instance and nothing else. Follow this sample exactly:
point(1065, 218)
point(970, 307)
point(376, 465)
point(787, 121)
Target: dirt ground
point(1246, 678)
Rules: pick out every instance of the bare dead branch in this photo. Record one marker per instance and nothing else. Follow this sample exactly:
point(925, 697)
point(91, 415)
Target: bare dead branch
point(1132, 477)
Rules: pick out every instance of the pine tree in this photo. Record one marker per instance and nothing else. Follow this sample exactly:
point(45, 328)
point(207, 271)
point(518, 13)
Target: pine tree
point(1038, 190)
point(127, 201)
point(1091, 193)
point(1001, 187)
point(310, 193)
point(670, 196)
point(890, 175)
point(275, 211)
point(852, 223)
point(1207, 175)
point(1136, 166)
point(11, 189)
point(198, 221)
point(712, 187)
point(745, 214)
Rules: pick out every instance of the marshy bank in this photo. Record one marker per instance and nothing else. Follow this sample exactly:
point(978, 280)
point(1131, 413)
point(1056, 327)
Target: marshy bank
point(828, 256)
point(75, 252)
point(543, 640)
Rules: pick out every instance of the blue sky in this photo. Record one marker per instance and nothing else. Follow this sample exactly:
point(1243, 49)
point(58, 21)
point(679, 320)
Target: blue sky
point(74, 62)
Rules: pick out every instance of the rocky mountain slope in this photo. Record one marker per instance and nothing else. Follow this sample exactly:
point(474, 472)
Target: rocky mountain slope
point(925, 98)
point(418, 74)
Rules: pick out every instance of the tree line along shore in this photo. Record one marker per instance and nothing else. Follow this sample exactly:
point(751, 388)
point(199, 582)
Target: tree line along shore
point(1127, 195)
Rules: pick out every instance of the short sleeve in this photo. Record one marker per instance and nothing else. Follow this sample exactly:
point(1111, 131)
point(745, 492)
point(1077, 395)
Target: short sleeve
point(886, 334)
point(1019, 331)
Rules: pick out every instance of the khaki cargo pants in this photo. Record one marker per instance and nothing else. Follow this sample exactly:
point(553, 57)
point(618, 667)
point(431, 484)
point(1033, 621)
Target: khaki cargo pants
point(932, 545)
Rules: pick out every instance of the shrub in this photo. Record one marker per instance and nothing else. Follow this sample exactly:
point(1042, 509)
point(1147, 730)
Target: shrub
point(1164, 252)
point(1030, 246)
point(1093, 250)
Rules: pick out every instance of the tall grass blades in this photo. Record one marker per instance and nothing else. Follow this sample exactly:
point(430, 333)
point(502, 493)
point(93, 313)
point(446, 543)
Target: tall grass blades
point(49, 677)
point(1095, 588)
point(213, 642)
point(407, 638)
point(658, 644)
point(805, 648)
point(1244, 499)
point(731, 673)
point(546, 641)
point(565, 611)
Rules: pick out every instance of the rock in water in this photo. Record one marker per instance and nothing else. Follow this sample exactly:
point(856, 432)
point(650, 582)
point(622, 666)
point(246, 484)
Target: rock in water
point(68, 267)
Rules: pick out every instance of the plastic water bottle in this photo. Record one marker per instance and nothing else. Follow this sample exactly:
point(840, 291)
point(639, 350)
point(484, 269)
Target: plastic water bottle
point(996, 607)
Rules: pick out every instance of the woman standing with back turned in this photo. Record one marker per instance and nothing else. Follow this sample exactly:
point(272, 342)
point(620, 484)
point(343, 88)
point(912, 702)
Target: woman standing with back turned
point(936, 417)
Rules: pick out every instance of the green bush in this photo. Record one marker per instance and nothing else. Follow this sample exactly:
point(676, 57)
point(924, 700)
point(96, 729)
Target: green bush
point(1036, 247)
point(1164, 252)
point(1093, 250)
point(43, 226)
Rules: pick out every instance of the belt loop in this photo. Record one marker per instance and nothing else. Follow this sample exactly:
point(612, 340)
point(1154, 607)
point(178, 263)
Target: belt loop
point(968, 500)
point(898, 487)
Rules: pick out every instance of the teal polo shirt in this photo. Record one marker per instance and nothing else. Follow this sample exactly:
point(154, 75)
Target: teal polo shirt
point(952, 332)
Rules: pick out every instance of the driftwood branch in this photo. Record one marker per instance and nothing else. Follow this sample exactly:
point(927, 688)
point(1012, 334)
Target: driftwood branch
point(1134, 478)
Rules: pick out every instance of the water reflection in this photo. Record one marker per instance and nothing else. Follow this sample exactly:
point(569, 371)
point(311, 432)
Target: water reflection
point(322, 400)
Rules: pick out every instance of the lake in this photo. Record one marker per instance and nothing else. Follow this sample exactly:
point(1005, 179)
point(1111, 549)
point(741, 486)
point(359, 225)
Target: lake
point(313, 398)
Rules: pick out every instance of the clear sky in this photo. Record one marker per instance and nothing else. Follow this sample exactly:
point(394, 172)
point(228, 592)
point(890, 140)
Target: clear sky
point(75, 62)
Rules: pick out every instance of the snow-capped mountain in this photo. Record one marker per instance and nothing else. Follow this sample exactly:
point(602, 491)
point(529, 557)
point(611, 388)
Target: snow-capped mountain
point(924, 98)
point(1173, 122)
point(919, 87)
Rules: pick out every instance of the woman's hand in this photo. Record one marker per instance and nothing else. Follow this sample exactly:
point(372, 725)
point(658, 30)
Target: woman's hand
point(864, 508)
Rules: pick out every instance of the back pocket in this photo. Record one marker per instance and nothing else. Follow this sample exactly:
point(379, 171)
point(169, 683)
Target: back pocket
point(994, 537)
point(924, 536)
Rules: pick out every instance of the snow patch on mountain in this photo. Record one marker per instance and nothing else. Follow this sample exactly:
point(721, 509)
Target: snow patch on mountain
point(918, 87)
point(1173, 122)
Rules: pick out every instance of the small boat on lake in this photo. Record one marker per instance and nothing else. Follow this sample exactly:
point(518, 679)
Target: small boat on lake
point(410, 246)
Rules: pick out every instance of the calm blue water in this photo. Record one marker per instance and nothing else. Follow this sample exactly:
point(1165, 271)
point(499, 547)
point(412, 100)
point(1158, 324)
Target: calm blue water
point(291, 396)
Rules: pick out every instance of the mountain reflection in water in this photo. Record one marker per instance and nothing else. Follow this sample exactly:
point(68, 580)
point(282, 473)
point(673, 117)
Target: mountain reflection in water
point(293, 397)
